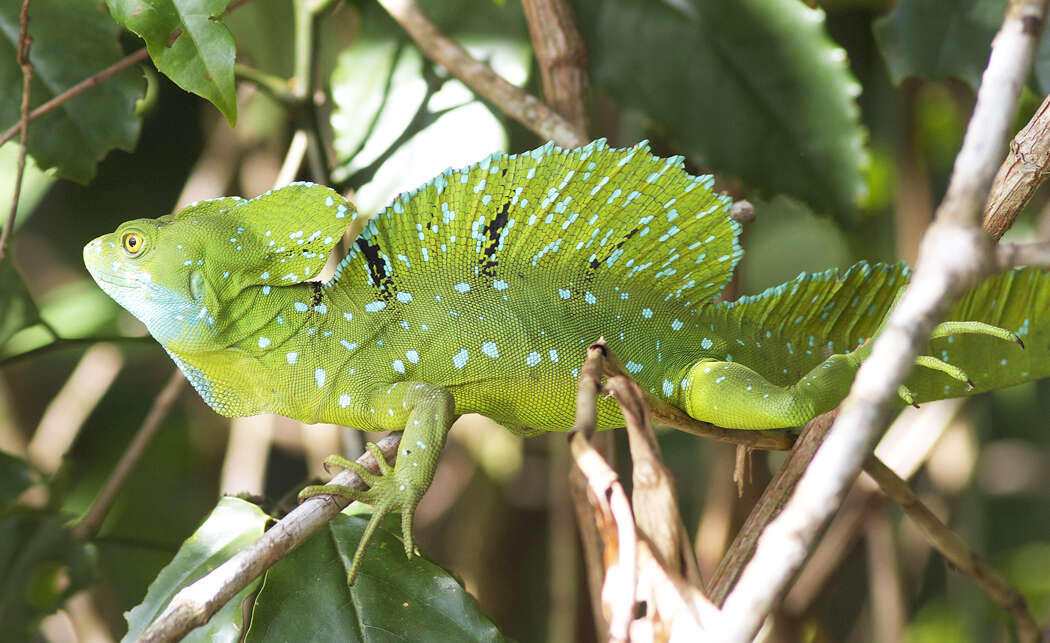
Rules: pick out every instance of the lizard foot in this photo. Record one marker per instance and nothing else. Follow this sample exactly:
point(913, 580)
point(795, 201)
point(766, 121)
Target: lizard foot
point(387, 493)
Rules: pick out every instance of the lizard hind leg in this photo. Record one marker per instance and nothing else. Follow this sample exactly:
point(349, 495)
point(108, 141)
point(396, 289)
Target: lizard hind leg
point(734, 396)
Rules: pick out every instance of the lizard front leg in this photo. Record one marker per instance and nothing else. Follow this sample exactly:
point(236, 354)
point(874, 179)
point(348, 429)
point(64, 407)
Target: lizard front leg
point(426, 412)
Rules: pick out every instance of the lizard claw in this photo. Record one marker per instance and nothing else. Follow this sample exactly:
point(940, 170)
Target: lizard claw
point(905, 394)
point(386, 494)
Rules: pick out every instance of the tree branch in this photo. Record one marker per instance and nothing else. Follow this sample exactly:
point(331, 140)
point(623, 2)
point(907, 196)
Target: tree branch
point(954, 255)
point(954, 548)
point(518, 104)
point(562, 56)
point(1024, 170)
point(88, 526)
point(23, 124)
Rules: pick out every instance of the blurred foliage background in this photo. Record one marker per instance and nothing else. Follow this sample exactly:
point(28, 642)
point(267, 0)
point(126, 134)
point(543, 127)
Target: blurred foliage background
point(839, 120)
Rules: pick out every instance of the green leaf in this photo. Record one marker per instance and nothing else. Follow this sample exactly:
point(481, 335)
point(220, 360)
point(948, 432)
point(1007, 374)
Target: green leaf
point(72, 41)
point(305, 596)
point(938, 39)
point(200, 60)
point(15, 477)
point(232, 525)
point(17, 310)
point(755, 88)
point(40, 567)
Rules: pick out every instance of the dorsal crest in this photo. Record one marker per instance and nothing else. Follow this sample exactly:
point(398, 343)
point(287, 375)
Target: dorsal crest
point(583, 215)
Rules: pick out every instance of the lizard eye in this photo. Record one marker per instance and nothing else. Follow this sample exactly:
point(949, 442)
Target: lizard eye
point(132, 243)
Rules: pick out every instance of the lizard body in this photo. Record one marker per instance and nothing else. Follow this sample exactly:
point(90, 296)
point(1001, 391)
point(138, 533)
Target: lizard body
point(479, 292)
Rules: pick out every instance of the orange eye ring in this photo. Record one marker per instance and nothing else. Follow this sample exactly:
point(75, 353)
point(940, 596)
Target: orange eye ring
point(132, 242)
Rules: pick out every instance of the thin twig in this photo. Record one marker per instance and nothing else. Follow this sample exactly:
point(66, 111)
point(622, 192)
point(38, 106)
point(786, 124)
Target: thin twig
point(612, 511)
point(92, 520)
point(71, 342)
point(768, 506)
point(194, 604)
point(954, 548)
point(954, 255)
point(79, 88)
point(516, 103)
point(1012, 255)
point(304, 84)
point(24, 41)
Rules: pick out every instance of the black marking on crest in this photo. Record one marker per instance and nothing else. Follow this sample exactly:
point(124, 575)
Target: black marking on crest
point(489, 263)
point(598, 261)
point(376, 268)
point(318, 293)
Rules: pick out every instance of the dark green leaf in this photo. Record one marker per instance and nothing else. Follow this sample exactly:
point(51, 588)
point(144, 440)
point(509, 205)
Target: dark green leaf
point(200, 60)
point(938, 39)
point(15, 477)
point(756, 88)
point(306, 598)
point(72, 40)
point(17, 310)
point(231, 526)
point(40, 567)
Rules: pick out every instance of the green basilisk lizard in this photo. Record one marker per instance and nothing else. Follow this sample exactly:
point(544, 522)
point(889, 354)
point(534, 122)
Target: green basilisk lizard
point(479, 292)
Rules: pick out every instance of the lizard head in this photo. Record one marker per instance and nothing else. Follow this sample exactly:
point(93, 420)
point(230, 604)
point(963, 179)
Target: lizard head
point(183, 275)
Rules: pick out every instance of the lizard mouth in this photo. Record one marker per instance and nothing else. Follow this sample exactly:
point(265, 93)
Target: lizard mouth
point(110, 273)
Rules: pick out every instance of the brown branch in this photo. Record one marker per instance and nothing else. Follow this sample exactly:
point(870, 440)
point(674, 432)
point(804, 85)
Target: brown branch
point(24, 42)
point(768, 506)
point(79, 88)
point(90, 523)
point(516, 103)
point(611, 510)
point(562, 57)
point(1024, 170)
point(194, 604)
point(954, 548)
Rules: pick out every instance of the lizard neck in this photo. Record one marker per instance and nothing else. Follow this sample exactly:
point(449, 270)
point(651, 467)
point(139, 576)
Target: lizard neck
point(301, 351)
point(320, 361)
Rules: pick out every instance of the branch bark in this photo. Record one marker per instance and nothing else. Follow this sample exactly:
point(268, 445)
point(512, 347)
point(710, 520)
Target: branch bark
point(1024, 170)
point(954, 255)
point(562, 56)
point(515, 102)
